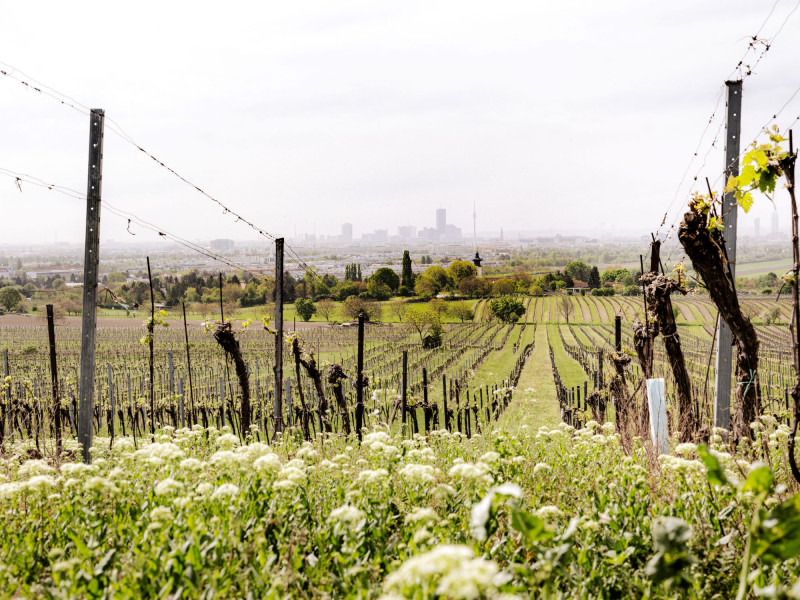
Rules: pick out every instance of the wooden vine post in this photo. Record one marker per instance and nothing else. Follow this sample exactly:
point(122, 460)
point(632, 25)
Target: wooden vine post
point(150, 327)
point(51, 336)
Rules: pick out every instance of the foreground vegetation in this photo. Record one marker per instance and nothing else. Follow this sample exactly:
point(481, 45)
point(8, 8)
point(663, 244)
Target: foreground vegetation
point(528, 511)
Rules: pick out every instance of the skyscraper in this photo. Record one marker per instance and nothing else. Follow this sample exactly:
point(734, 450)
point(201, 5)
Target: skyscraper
point(441, 221)
point(757, 227)
point(347, 232)
point(774, 229)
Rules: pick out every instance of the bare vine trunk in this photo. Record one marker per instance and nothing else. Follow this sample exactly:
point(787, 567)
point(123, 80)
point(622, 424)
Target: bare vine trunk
point(310, 365)
point(227, 340)
point(705, 249)
point(304, 417)
point(644, 335)
point(335, 377)
point(657, 289)
point(622, 401)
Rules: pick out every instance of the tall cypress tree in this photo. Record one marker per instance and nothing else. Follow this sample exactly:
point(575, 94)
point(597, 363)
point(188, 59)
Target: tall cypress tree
point(594, 278)
point(407, 276)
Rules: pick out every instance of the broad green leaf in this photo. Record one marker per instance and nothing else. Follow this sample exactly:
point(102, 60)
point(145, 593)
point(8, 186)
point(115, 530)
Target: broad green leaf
point(715, 472)
point(759, 156)
point(778, 537)
point(748, 176)
point(531, 526)
point(745, 200)
point(759, 480)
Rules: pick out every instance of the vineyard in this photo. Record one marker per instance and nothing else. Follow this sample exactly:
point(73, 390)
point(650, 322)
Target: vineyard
point(376, 416)
point(576, 328)
point(462, 487)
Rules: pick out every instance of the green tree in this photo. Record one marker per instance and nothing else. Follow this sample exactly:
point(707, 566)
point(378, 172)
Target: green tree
point(578, 269)
point(503, 287)
point(399, 309)
point(594, 278)
point(439, 276)
point(326, 308)
point(10, 297)
point(459, 270)
point(346, 291)
point(536, 290)
point(438, 306)
point(507, 309)
point(426, 287)
point(387, 277)
point(422, 319)
point(474, 287)
point(407, 275)
point(378, 291)
point(462, 311)
point(354, 305)
point(305, 308)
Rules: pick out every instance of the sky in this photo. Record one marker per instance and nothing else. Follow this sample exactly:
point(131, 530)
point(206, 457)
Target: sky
point(563, 116)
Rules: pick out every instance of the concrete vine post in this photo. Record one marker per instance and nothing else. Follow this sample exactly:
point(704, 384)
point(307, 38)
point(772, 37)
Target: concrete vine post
point(788, 166)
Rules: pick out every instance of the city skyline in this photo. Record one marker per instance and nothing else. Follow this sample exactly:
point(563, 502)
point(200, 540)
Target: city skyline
point(378, 117)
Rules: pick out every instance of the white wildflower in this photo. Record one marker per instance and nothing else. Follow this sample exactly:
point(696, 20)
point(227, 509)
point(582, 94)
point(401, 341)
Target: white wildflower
point(226, 490)
point(168, 486)
point(422, 515)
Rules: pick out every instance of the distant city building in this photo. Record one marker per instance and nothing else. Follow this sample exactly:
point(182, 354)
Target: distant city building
point(221, 245)
point(407, 232)
point(6, 272)
point(774, 228)
point(379, 236)
point(428, 233)
point(757, 227)
point(441, 221)
point(453, 232)
point(347, 232)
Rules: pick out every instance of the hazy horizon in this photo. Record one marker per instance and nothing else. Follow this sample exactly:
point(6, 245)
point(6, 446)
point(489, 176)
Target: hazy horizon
point(562, 118)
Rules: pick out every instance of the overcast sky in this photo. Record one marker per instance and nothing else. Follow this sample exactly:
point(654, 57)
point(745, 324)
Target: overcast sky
point(558, 116)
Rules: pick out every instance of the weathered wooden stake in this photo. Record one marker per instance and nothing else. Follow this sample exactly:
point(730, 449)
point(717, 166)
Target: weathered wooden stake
point(51, 336)
point(91, 260)
point(278, 406)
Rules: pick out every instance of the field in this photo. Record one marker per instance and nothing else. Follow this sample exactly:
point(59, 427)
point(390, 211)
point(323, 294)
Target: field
point(478, 490)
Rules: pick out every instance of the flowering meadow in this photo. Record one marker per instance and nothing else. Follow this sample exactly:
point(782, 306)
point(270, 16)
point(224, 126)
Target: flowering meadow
point(519, 512)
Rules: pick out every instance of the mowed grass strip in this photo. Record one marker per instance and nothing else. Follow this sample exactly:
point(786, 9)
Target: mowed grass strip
point(536, 390)
point(571, 372)
point(498, 365)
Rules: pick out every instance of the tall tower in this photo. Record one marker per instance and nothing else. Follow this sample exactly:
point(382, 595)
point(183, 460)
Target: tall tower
point(347, 232)
point(774, 224)
point(475, 226)
point(441, 222)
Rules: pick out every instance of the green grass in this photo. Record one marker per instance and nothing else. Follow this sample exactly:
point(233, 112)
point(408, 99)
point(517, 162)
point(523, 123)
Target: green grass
point(571, 372)
point(536, 382)
point(778, 266)
point(498, 365)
